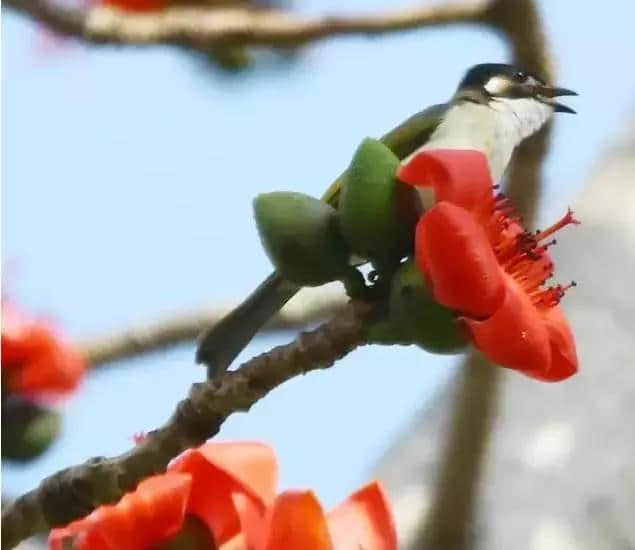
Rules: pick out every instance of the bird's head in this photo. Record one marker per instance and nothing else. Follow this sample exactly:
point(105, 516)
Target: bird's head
point(495, 82)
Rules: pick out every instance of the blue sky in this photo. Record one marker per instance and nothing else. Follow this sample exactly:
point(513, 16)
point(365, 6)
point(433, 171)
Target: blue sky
point(128, 176)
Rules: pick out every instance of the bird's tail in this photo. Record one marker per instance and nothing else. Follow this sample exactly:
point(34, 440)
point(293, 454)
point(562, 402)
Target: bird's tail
point(221, 344)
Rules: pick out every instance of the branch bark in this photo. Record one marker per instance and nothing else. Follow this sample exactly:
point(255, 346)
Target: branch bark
point(307, 308)
point(203, 28)
point(74, 492)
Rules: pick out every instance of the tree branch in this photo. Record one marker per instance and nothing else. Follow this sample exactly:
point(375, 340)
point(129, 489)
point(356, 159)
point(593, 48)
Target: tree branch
point(308, 307)
point(74, 492)
point(202, 28)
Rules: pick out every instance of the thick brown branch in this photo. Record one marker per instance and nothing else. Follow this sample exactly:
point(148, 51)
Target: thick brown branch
point(203, 28)
point(76, 491)
point(301, 311)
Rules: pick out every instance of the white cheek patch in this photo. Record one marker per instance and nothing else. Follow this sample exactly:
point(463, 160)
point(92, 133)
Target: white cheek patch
point(496, 85)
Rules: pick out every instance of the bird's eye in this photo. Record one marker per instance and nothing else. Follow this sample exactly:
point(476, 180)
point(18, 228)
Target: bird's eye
point(520, 76)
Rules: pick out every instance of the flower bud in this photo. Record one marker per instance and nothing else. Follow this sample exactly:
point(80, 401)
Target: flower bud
point(27, 429)
point(301, 237)
point(418, 318)
point(377, 213)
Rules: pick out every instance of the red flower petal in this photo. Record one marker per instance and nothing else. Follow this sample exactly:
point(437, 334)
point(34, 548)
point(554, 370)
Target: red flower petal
point(515, 336)
point(296, 520)
point(452, 250)
point(364, 520)
point(564, 360)
point(34, 358)
point(136, 5)
point(461, 177)
point(252, 520)
point(220, 469)
point(21, 344)
point(58, 369)
point(150, 514)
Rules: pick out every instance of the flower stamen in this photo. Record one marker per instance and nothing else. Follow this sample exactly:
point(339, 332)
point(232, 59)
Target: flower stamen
point(551, 296)
point(522, 254)
point(564, 221)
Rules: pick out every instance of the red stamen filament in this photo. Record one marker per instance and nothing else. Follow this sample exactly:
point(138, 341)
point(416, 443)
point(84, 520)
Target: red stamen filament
point(523, 255)
point(530, 276)
point(564, 221)
point(551, 296)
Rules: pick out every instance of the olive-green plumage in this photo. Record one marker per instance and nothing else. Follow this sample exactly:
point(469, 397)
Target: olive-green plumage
point(220, 344)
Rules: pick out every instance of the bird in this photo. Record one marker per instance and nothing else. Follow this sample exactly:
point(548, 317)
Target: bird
point(494, 108)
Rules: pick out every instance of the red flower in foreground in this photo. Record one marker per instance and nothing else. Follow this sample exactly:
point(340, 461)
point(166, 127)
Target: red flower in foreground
point(230, 489)
point(136, 5)
point(481, 261)
point(35, 360)
point(296, 520)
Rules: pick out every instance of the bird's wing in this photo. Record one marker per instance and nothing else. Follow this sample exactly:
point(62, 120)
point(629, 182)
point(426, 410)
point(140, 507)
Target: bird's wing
point(402, 140)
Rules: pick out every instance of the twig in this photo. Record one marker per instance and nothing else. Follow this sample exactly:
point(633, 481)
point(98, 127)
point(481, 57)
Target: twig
point(202, 28)
point(306, 308)
point(450, 521)
point(74, 492)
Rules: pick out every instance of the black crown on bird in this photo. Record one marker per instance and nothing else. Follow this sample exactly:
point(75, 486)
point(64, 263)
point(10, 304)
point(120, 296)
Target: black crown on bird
point(491, 81)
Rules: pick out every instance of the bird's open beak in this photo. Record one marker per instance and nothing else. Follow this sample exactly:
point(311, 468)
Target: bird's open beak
point(550, 92)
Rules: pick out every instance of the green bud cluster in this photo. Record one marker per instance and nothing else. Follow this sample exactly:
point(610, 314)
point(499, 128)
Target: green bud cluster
point(415, 317)
point(311, 243)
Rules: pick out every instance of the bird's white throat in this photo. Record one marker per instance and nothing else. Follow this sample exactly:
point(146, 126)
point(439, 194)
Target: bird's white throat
point(495, 128)
point(526, 115)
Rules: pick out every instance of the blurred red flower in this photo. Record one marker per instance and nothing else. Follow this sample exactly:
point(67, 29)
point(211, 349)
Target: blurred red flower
point(482, 262)
point(35, 359)
point(136, 5)
point(231, 489)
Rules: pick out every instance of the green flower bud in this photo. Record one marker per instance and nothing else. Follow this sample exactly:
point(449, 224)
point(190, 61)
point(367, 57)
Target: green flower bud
point(416, 317)
point(27, 429)
point(301, 237)
point(377, 213)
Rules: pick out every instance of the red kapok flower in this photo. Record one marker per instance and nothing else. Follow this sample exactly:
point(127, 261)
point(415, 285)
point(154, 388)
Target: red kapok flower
point(200, 483)
point(136, 5)
point(35, 360)
point(230, 488)
point(153, 512)
point(481, 261)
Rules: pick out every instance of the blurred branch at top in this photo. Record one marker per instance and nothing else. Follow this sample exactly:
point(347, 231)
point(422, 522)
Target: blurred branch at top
point(226, 29)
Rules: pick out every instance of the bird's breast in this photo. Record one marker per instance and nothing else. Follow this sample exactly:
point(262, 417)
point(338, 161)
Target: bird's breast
point(495, 129)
